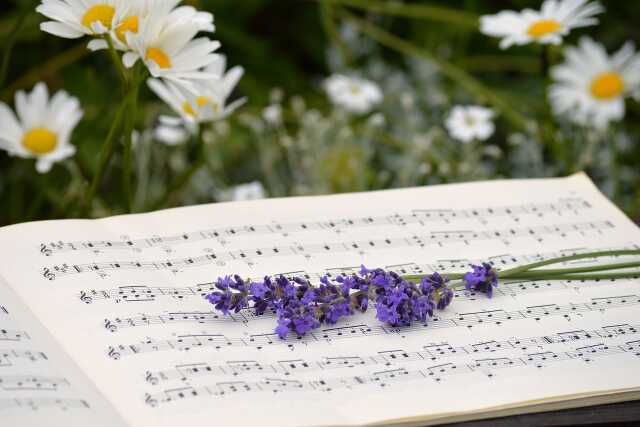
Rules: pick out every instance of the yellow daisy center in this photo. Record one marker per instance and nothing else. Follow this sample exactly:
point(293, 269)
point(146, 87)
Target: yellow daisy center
point(543, 27)
point(159, 57)
point(128, 24)
point(354, 89)
point(201, 101)
point(102, 13)
point(607, 85)
point(40, 141)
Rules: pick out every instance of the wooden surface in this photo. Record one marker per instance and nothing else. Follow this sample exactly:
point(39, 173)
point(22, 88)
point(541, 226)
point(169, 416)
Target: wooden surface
point(616, 414)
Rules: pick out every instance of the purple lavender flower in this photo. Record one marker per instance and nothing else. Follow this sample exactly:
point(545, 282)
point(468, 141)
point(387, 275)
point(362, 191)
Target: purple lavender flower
point(401, 304)
point(483, 278)
point(301, 307)
point(436, 285)
point(231, 296)
point(294, 316)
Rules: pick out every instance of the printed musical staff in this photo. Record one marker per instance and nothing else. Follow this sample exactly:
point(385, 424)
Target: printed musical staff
point(9, 335)
point(488, 367)
point(117, 323)
point(419, 217)
point(36, 404)
point(8, 356)
point(430, 353)
point(31, 383)
point(439, 238)
point(469, 320)
point(143, 293)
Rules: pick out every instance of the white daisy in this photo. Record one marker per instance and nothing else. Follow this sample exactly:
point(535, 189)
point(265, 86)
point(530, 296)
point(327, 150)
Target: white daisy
point(73, 19)
point(139, 10)
point(591, 86)
point(42, 129)
point(554, 21)
point(200, 101)
point(469, 123)
point(166, 44)
point(353, 94)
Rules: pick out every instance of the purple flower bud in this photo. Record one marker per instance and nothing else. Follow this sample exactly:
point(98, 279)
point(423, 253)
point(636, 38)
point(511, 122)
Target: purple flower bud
point(483, 278)
point(436, 285)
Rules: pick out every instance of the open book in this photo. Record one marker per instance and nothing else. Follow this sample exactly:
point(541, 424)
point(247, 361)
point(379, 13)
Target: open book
point(104, 322)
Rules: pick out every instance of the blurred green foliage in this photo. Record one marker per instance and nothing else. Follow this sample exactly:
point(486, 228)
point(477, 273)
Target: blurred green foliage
point(280, 43)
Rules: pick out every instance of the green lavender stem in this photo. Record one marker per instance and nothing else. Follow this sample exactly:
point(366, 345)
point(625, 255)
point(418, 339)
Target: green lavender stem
point(529, 272)
point(558, 260)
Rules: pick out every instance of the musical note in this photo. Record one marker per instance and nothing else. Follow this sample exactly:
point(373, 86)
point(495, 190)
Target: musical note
point(31, 383)
point(415, 217)
point(388, 377)
point(6, 356)
point(9, 335)
point(434, 238)
point(39, 403)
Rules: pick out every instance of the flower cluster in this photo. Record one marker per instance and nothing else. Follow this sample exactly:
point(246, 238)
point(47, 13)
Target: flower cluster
point(301, 307)
point(590, 87)
point(163, 35)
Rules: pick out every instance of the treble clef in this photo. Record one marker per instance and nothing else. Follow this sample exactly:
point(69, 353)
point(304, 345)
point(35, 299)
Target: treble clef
point(84, 297)
point(150, 400)
point(151, 379)
point(109, 326)
point(45, 250)
point(113, 353)
point(48, 274)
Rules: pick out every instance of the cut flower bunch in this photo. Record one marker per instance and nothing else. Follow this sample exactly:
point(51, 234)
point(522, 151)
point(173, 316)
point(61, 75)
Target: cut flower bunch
point(301, 306)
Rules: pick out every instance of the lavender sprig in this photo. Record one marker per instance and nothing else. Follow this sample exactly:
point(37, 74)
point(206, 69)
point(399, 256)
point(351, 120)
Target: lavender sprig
point(301, 307)
point(398, 300)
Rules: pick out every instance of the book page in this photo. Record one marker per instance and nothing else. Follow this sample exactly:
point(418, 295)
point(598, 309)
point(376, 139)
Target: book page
point(39, 385)
point(124, 297)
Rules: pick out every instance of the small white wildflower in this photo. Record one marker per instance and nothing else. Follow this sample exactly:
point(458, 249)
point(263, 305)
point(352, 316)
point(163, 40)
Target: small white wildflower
point(251, 191)
point(353, 94)
point(273, 114)
point(469, 123)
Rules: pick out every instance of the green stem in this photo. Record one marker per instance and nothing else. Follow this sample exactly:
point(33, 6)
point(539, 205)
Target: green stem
point(184, 178)
point(533, 277)
point(560, 271)
point(128, 131)
point(106, 153)
point(115, 58)
point(326, 12)
point(415, 11)
point(577, 276)
point(10, 42)
point(454, 73)
point(557, 260)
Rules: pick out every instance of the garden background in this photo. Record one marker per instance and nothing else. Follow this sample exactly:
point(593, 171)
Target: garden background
point(289, 139)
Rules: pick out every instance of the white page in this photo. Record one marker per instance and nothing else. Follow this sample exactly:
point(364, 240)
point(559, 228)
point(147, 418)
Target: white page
point(162, 356)
point(39, 385)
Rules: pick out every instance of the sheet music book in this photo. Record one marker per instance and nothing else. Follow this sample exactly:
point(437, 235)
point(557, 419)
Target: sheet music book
point(103, 322)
